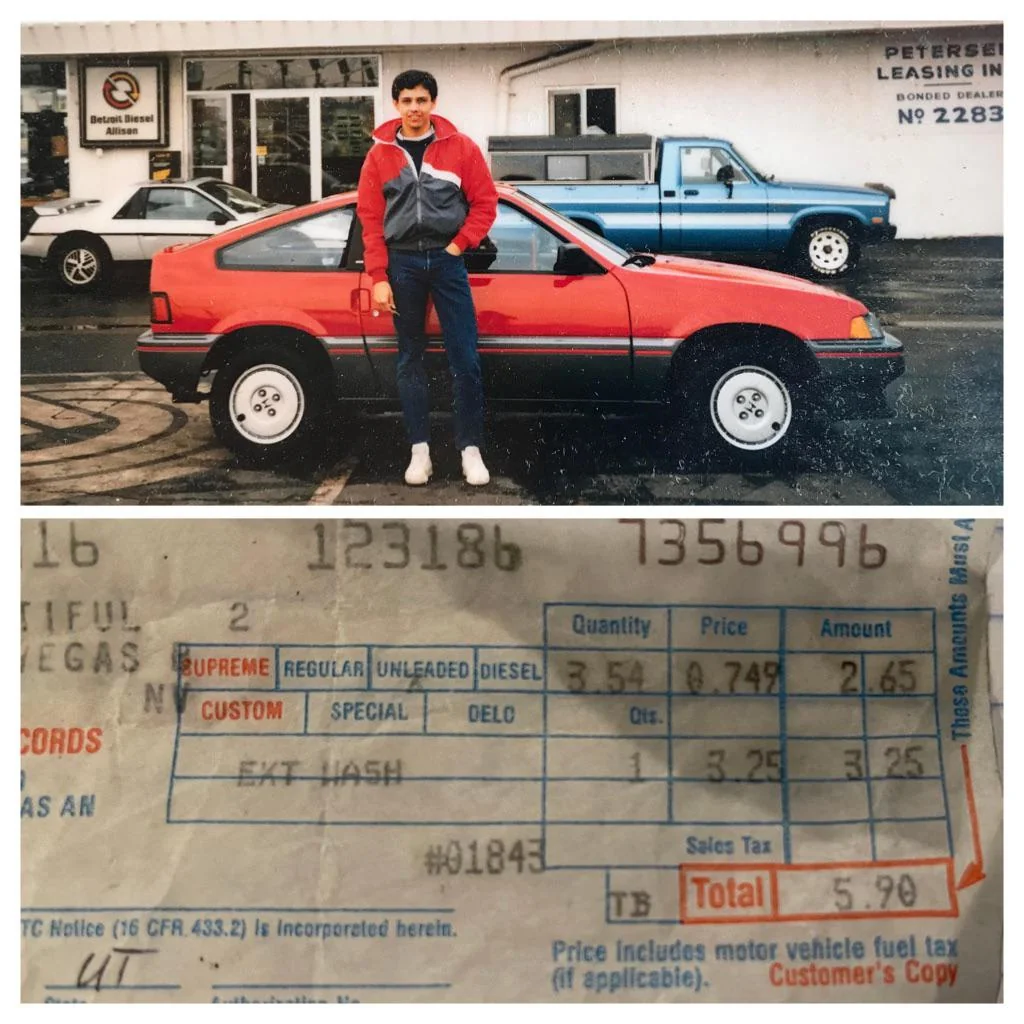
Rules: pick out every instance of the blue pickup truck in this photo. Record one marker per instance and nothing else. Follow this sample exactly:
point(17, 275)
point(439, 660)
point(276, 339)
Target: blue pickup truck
point(702, 197)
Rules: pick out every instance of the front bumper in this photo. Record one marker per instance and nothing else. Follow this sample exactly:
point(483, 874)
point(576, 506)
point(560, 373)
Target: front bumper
point(853, 371)
point(874, 233)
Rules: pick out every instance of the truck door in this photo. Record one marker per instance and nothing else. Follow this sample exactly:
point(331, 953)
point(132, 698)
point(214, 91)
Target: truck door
point(708, 220)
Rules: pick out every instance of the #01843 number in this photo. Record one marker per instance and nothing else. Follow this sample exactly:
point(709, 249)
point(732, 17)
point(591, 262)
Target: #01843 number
point(485, 857)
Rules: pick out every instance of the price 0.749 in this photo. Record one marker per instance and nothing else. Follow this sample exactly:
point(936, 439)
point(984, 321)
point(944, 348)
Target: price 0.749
point(731, 677)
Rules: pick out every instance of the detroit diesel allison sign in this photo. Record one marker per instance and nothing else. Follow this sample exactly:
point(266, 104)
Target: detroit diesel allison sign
point(123, 104)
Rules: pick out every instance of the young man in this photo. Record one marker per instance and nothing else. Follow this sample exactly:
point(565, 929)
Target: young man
point(425, 196)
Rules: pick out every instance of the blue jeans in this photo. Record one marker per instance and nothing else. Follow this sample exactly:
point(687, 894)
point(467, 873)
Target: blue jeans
point(415, 277)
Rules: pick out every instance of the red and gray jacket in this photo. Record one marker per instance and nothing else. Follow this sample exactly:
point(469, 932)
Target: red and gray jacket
point(452, 199)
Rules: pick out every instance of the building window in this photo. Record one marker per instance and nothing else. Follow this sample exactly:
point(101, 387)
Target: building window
point(290, 129)
point(582, 111)
point(44, 136)
point(209, 135)
point(330, 72)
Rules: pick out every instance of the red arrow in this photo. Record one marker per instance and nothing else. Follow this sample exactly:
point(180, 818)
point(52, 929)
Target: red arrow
point(975, 871)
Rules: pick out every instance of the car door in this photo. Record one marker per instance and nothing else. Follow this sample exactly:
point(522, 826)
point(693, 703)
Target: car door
point(709, 218)
point(123, 232)
point(544, 334)
point(300, 274)
point(178, 214)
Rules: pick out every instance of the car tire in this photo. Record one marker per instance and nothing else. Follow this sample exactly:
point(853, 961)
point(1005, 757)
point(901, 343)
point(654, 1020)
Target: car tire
point(748, 405)
point(826, 251)
point(267, 402)
point(82, 264)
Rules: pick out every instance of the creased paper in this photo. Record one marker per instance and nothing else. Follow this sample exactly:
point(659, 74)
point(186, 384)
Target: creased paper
point(561, 761)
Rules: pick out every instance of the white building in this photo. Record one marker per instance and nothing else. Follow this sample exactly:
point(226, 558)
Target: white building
point(285, 108)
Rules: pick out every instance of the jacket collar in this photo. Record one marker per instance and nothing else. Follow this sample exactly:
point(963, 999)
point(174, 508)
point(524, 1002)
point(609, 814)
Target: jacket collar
point(443, 129)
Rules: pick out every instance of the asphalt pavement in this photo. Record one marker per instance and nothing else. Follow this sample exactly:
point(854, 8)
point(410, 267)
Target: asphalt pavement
point(96, 431)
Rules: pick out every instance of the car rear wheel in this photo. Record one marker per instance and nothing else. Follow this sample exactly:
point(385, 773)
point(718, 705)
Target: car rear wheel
point(749, 405)
point(82, 264)
point(266, 403)
point(826, 251)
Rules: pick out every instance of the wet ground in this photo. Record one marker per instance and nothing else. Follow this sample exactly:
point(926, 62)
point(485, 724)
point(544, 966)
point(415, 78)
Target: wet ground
point(96, 431)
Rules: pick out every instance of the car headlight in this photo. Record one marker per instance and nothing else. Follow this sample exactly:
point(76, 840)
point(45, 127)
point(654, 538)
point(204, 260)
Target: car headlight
point(866, 326)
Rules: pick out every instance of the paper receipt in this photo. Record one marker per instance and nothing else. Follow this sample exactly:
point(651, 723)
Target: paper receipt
point(616, 760)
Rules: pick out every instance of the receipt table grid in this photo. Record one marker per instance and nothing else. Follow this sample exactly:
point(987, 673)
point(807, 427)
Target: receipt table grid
point(628, 728)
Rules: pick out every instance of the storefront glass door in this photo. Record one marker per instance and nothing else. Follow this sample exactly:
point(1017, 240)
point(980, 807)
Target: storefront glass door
point(282, 157)
point(290, 128)
point(308, 146)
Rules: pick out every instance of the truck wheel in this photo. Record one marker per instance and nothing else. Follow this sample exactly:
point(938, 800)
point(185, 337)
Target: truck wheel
point(826, 251)
point(748, 404)
point(82, 263)
point(266, 403)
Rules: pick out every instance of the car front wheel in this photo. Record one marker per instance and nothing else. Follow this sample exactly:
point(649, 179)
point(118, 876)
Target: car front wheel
point(266, 403)
point(749, 405)
point(81, 264)
point(826, 251)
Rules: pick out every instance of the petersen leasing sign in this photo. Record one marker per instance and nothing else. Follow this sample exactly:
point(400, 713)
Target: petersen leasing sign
point(123, 104)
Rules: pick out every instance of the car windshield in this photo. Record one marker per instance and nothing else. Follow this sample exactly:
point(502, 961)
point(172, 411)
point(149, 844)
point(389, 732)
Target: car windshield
point(609, 250)
point(233, 197)
point(753, 170)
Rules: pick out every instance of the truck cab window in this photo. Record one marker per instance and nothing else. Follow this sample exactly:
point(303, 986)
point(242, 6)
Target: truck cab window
point(701, 164)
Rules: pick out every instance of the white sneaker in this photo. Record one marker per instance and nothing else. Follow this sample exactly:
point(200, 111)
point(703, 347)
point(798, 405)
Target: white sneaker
point(473, 468)
point(419, 470)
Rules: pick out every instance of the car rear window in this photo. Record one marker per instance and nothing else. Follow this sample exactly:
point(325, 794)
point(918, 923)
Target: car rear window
point(313, 243)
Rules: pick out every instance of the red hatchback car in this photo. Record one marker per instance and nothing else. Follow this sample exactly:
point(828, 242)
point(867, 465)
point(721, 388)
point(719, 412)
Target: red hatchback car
point(279, 312)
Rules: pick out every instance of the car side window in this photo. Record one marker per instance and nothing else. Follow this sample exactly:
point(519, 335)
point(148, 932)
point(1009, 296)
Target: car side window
point(700, 165)
point(178, 204)
point(315, 243)
point(135, 208)
point(515, 243)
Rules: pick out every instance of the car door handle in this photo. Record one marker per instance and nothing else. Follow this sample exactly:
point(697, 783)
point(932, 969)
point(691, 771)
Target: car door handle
point(363, 299)
point(669, 193)
point(691, 192)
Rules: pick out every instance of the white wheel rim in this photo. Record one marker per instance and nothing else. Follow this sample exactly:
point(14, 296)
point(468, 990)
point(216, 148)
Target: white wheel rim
point(828, 249)
point(750, 408)
point(80, 266)
point(266, 404)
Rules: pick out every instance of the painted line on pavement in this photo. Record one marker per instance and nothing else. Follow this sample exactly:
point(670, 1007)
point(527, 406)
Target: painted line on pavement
point(987, 324)
point(329, 489)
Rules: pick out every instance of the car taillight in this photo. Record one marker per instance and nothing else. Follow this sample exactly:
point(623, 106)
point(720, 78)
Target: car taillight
point(159, 308)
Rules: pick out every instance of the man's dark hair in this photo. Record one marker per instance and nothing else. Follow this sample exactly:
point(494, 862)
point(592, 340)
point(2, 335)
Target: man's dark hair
point(410, 79)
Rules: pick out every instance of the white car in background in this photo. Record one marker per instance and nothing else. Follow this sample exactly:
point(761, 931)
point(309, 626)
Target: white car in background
point(81, 239)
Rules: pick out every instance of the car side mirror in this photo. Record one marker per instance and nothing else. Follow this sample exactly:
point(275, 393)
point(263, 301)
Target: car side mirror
point(219, 218)
point(572, 260)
